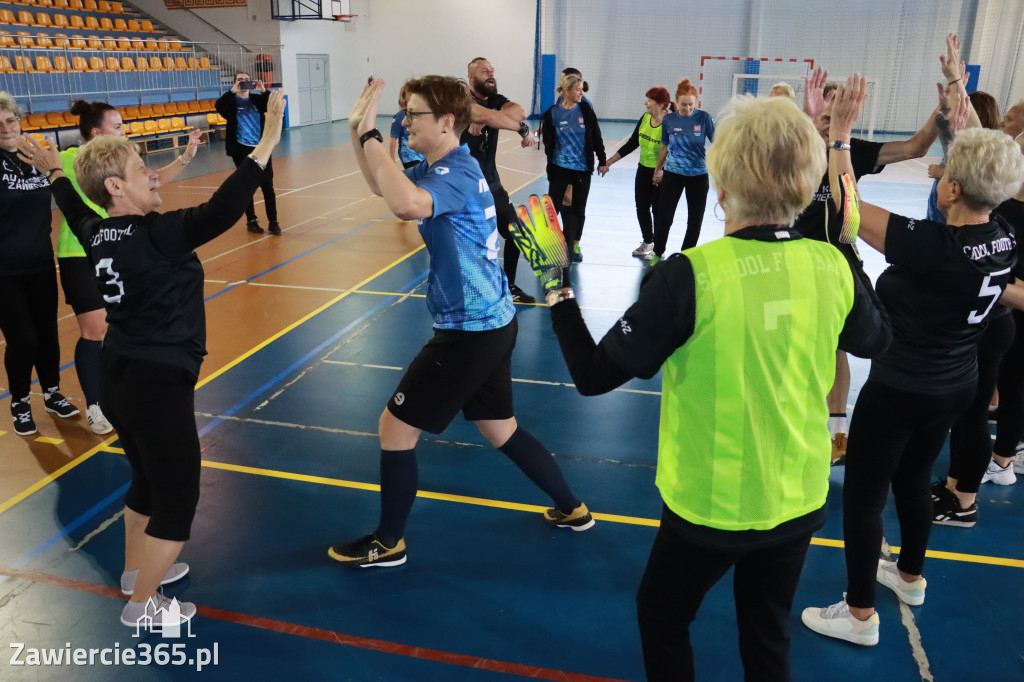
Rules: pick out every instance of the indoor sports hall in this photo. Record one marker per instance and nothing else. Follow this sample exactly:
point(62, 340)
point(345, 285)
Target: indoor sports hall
point(309, 332)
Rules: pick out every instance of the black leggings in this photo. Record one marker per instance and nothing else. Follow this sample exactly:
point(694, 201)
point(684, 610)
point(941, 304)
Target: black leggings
point(647, 195)
point(506, 215)
point(573, 216)
point(678, 575)
point(152, 406)
point(895, 437)
point(970, 445)
point(672, 186)
point(1010, 428)
point(28, 320)
point(267, 185)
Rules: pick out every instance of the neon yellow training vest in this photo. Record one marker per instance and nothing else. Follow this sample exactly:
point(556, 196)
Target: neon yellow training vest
point(68, 245)
point(650, 142)
point(744, 441)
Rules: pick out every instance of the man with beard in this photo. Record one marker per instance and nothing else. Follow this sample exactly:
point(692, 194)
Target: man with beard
point(493, 112)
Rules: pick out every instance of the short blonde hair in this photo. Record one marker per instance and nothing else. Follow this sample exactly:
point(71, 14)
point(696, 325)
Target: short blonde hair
point(988, 166)
point(767, 157)
point(569, 81)
point(782, 89)
point(8, 103)
point(102, 157)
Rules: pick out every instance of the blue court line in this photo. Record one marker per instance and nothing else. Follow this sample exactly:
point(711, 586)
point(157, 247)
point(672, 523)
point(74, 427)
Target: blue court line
point(97, 508)
point(28, 556)
point(290, 368)
point(249, 279)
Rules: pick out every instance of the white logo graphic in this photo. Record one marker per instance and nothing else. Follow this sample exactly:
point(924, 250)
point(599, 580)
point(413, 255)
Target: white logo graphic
point(441, 170)
point(624, 326)
point(166, 621)
point(399, 398)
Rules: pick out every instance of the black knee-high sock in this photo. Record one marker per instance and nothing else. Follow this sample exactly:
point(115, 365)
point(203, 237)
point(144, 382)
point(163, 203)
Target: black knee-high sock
point(87, 364)
point(535, 460)
point(399, 480)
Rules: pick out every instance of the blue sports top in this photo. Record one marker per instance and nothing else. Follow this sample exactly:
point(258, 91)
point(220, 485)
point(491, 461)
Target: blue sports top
point(685, 136)
point(466, 288)
point(249, 132)
point(570, 131)
point(401, 133)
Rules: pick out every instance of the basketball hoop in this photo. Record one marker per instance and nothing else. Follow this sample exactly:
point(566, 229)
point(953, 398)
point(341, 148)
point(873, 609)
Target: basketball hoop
point(345, 17)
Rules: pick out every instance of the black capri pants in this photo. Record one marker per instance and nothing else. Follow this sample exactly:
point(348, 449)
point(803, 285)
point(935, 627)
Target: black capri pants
point(647, 196)
point(152, 406)
point(266, 184)
point(1010, 428)
point(573, 216)
point(970, 445)
point(895, 436)
point(505, 213)
point(672, 187)
point(28, 320)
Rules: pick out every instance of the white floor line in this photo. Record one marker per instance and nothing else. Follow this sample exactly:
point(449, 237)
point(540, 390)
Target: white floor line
point(539, 382)
point(913, 633)
point(332, 290)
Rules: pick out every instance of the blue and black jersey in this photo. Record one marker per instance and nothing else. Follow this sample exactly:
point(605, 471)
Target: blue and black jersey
point(685, 137)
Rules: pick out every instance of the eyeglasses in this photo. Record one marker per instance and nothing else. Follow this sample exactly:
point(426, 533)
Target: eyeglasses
point(413, 115)
point(11, 122)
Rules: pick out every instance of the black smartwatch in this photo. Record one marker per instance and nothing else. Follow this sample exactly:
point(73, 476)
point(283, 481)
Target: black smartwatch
point(373, 134)
point(524, 129)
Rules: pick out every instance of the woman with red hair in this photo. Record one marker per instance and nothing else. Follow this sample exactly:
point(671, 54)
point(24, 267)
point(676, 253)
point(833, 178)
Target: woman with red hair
point(646, 136)
point(681, 167)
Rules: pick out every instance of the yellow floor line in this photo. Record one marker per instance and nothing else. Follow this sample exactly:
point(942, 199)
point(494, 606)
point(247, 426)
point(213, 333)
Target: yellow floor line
point(517, 506)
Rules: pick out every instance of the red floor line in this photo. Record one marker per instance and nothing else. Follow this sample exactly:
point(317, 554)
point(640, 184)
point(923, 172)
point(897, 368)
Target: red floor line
point(530, 671)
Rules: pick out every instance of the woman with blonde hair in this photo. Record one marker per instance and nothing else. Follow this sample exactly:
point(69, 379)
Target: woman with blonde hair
point(942, 283)
point(152, 282)
point(680, 166)
point(744, 419)
point(572, 137)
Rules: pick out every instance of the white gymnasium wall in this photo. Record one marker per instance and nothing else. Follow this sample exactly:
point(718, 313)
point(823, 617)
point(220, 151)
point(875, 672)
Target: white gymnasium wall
point(624, 47)
point(248, 25)
point(416, 38)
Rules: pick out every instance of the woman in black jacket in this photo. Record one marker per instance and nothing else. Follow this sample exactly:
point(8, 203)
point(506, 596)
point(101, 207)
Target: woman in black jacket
point(571, 138)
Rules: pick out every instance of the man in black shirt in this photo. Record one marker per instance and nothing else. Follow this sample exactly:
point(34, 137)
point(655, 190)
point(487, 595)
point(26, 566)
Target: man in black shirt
point(493, 112)
point(821, 221)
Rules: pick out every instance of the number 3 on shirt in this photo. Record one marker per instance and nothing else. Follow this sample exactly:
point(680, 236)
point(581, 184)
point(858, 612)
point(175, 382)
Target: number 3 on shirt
point(987, 289)
point(104, 266)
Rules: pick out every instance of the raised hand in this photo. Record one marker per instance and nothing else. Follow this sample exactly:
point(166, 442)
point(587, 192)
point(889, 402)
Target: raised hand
point(951, 64)
point(43, 159)
point(193, 144)
point(960, 111)
point(274, 123)
point(369, 119)
point(814, 85)
point(849, 99)
point(355, 117)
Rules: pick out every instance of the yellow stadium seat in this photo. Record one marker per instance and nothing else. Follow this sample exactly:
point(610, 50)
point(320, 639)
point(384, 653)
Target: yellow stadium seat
point(181, 108)
point(109, 44)
point(124, 44)
point(60, 4)
point(116, 8)
point(60, 63)
point(154, 64)
point(7, 17)
point(7, 40)
point(91, 24)
point(44, 3)
point(26, 41)
point(133, 26)
point(158, 109)
point(25, 18)
point(95, 64)
point(70, 119)
point(137, 128)
point(113, 64)
point(178, 123)
point(5, 65)
point(79, 64)
point(43, 65)
point(193, 107)
point(94, 43)
point(76, 4)
point(90, 6)
point(33, 122)
point(43, 19)
point(76, 22)
point(146, 111)
point(204, 63)
point(120, 25)
point(151, 127)
point(169, 64)
point(147, 26)
point(103, 6)
point(55, 119)
point(106, 24)
point(43, 40)
point(60, 21)
point(142, 64)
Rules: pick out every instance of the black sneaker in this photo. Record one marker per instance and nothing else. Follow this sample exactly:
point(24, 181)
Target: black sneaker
point(21, 411)
point(274, 227)
point(253, 226)
point(937, 489)
point(578, 519)
point(948, 512)
point(368, 551)
point(59, 405)
point(520, 296)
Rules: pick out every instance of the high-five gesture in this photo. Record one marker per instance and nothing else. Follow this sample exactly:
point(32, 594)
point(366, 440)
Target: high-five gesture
point(849, 99)
point(271, 128)
point(951, 62)
point(43, 159)
point(363, 117)
point(814, 85)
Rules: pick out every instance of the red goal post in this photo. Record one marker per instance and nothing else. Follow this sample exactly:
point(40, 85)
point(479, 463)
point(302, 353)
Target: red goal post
point(700, 87)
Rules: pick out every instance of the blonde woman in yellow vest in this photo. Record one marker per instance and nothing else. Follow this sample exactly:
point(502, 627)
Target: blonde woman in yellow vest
point(744, 330)
point(76, 275)
point(646, 136)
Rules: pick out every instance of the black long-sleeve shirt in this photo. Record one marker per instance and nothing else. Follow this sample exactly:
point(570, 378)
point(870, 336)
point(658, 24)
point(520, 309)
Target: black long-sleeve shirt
point(148, 272)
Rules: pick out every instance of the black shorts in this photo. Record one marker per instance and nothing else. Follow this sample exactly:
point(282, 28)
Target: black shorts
point(458, 370)
point(80, 288)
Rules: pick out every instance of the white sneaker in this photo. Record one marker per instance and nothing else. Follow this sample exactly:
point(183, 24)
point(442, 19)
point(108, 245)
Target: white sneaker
point(836, 621)
point(1018, 462)
point(136, 614)
point(175, 572)
point(909, 592)
point(1001, 475)
point(97, 422)
point(645, 247)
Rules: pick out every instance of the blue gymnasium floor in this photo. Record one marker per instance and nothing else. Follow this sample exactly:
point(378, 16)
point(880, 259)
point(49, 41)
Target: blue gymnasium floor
point(489, 592)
